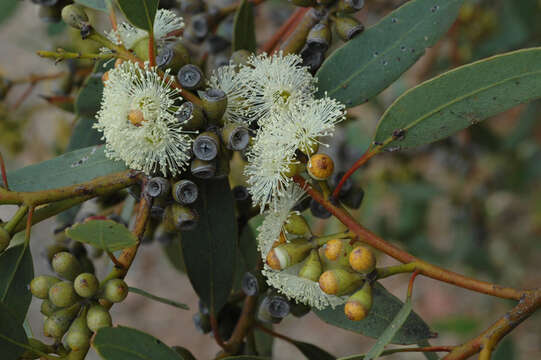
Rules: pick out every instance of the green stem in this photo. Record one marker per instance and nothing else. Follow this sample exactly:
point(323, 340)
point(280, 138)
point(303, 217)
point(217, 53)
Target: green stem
point(16, 219)
point(396, 269)
point(322, 240)
point(61, 55)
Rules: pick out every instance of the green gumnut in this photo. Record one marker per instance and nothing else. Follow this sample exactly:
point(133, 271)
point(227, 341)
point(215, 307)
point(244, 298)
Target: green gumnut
point(66, 265)
point(98, 317)
point(40, 285)
point(58, 323)
point(86, 285)
point(296, 224)
point(4, 239)
point(115, 290)
point(77, 354)
point(54, 249)
point(141, 48)
point(63, 294)
point(78, 335)
point(47, 308)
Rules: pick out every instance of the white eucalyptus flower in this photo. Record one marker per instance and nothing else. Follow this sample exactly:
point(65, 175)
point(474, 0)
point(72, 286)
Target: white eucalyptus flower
point(165, 23)
point(275, 83)
point(139, 123)
point(287, 281)
point(226, 79)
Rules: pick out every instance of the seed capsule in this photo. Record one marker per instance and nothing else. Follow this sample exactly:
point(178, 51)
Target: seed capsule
point(296, 224)
point(203, 169)
point(200, 26)
point(191, 116)
point(181, 218)
point(78, 335)
point(312, 268)
point(278, 306)
point(62, 294)
point(346, 187)
point(58, 323)
point(288, 254)
point(354, 198)
point(158, 187)
point(312, 58)
point(319, 37)
point(214, 104)
point(319, 210)
point(362, 259)
point(350, 6)
point(66, 265)
point(253, 283)
point(320, 166)
point(115, 290)
point(235, 137)
point(185, 192)
point(190, 77)
point(75, 16)
point(360, 303)
point(206, 146)
point(173, 57)
point(98, 317)
point(347, 27)
point(339, 281)
point(86, 285)
point(39, 286)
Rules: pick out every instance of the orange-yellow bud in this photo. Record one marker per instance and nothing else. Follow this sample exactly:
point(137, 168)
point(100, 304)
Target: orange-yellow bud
point(359, 304)
point(288, 254)
point(339, 281)
point(320, 166)
point(362, 259)
point(311, 269)
point(333, 249)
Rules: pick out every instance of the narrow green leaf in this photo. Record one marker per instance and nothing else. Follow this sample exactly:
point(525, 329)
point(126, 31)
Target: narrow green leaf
point(263, 341)
point(210, 249)
point(140, 13)
point(68, 169)
point(384, 309)
point(173, 251)
point(88, 100)
point(94, 4)
point(243, 28)
point(390, 331)
point(312, 352)
point(158, 298)
point(11, 334)
point(16, 272)
point(461, 97)
point(7, 8)
point(124, 343)
point(371, 61)
point(102, 234)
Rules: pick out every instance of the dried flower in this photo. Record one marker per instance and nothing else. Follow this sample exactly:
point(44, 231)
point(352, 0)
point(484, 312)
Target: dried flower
point(137, 118)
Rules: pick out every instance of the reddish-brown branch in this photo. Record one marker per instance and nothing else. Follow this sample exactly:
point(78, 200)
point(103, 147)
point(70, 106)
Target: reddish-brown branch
point(410, 285)
point(296, 38)
point(4, 174)
point(423, 267)
point(363, 159)
point(273, 42)
point(151, 49)
point(216, 332)
point(24, 96)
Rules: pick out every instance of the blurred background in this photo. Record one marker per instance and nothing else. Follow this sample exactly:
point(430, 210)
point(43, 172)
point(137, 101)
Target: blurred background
point(471, 203)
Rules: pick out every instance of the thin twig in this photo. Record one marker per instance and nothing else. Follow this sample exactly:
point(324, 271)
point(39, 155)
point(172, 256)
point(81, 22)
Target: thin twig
point(271, 44)
point(4, 173)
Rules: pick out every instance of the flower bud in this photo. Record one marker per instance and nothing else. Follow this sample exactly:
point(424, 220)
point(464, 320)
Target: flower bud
point(206, 146)
point(318, 210)
point(240, 57)
point(202, 322)
point(158, 187)
point(86, 285)
point(312, 268)
point(296, 224)
point(320, 166)
point(278, 306)
point(339, 281)
point(281, 240)
point(203, 169)
point(319, 37)
point(185, 192)
point(5, 238)
point(115, 290)
point(362, 259)
point(75, 16)
point(57, 324)
point(354, 198)
point(181, 218)
point(337, 249)
point(39, 286)
point(214, 104)
point(47, 308)
point(190, 77)
point(347, 27)
point(350, 6)
point(235, 137)
point(253, 283)
point(78, 335)
point(62, 294)
point(98, 317)
point(66, 265)
point(77, 354)
point(191, 116)
point(288, 254)
point(360, 303)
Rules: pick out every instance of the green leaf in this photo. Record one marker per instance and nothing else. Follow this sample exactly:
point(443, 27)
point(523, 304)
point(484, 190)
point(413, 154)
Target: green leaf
point(16, 272)
point(65, 170)
point(84, 135)
point(158, 298)
point(11, 333)
point(210, 249)
point(243, 28)
point(312, 352)
point(385, 307)
point(102, 234)
point(263, 341)
point(94, 4)
point(124, 343)
point(88, 99)
point(390, 331)
point(371, 61)
point(140, 13)
point(173, 251)
point(7, 8)
point(461, 97)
